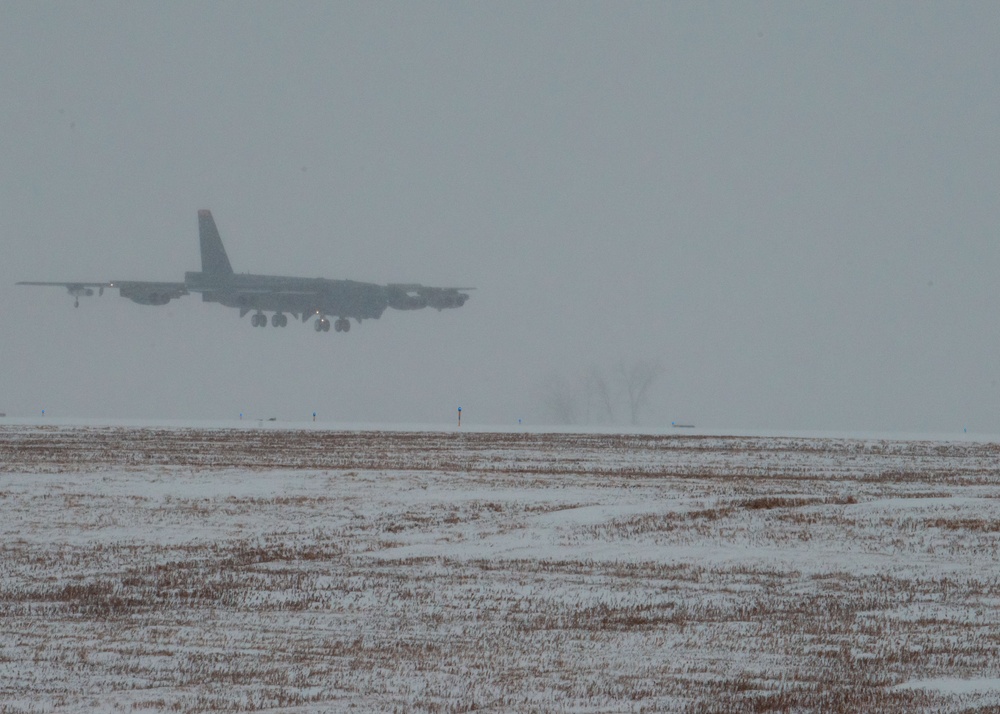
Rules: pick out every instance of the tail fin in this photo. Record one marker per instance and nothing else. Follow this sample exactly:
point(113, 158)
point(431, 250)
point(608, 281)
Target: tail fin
point(213, 255)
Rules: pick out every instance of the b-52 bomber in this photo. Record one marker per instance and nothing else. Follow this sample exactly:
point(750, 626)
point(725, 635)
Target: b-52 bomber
point(302, 298)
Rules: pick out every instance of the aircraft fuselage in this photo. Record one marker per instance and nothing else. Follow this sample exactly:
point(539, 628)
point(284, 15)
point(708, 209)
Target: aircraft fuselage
point(298, 296)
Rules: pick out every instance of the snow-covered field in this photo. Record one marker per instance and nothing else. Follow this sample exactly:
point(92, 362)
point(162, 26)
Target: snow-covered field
point(188, 569)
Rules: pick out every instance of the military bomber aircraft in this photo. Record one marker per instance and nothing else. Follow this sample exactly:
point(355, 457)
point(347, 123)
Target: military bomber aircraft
point(302, 298)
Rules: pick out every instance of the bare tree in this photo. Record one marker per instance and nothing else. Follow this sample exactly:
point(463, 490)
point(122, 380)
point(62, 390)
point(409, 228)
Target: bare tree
point(560, 400)
point(637, 377)
point(599, 394)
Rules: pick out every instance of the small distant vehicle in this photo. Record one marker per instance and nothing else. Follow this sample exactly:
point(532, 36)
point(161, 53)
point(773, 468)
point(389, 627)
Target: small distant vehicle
point(302, 298)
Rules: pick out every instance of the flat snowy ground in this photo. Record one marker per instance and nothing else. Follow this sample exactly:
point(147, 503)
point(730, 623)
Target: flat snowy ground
point(183, 569)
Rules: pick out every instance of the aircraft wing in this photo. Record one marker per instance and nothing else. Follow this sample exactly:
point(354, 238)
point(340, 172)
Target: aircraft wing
point(142, 292)
point(69, 286)
point(77, 290)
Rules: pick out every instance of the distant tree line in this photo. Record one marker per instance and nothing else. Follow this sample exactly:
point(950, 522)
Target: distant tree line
point(597, 396)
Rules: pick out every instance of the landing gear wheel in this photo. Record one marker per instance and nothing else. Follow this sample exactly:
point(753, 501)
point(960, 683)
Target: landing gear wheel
point(278, 320)
point(322, 325)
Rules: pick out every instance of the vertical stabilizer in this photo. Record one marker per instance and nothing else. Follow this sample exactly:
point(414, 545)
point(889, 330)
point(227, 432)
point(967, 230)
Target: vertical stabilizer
point(213, 255)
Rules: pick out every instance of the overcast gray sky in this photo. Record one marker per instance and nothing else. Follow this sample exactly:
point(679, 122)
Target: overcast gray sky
point(793, 207)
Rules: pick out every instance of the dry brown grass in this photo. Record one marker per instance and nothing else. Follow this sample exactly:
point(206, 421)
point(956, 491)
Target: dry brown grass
point(187, 570)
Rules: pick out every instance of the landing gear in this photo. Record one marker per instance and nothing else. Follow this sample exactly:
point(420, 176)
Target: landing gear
point(341, 324)
point(278, 319)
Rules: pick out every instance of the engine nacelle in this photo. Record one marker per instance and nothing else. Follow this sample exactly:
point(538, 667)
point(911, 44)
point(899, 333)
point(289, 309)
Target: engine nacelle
point(79, 291)
point(405, 301)
point(445, 300)
point(148, 298)
point(414, 297)
point(150, 293)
